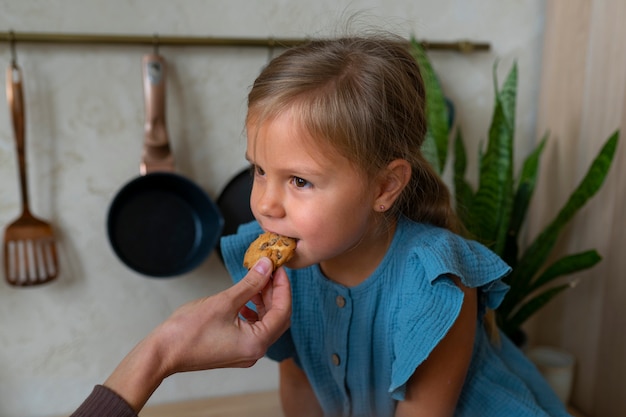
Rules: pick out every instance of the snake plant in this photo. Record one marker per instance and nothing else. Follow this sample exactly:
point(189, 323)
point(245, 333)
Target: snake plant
point(494, 211)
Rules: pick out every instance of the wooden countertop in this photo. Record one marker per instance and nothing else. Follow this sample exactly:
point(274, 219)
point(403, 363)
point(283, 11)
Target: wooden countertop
point(261, 404)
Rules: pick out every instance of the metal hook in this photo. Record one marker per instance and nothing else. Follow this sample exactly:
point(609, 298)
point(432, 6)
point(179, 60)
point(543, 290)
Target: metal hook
point(155, 40)
point(13, 52)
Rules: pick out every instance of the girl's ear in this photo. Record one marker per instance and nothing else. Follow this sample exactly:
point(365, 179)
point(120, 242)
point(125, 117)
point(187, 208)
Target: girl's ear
point(391, 183)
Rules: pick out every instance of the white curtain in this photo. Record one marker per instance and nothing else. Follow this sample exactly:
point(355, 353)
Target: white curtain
point(583, 101)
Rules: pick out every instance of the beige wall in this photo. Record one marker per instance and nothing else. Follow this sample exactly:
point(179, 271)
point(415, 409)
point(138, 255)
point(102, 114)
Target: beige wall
point(582, 101)
point(84, 110)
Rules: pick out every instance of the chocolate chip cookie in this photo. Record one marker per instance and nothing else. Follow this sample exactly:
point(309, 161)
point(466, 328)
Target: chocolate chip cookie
point(279, 249)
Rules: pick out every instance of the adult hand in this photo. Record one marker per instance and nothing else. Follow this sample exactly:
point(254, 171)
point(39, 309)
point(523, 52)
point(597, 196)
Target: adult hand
point(213, 332)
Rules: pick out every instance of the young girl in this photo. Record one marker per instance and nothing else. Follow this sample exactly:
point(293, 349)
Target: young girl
point(388, 300)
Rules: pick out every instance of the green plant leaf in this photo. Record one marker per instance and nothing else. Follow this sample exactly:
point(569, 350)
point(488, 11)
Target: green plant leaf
point(539, 250)
point(526, 186)
point(531, 307)
point(507, 96)
point(565, 266)
point(437, 118)
point(463, 192)
point(429, 150)
point(495, 191)
point(535, 256)
point(523, 195)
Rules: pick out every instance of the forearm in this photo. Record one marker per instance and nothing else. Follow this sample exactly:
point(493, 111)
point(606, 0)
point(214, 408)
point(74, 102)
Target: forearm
point(139, 374)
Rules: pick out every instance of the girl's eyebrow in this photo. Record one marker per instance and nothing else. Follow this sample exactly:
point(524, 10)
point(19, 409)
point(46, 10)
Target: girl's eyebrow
point(300, 170)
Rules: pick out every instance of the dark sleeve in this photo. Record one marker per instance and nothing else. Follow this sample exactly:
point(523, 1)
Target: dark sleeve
point(102, 402)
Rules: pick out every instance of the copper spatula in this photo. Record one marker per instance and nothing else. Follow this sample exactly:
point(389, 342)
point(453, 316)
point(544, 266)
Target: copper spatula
point(30, 254)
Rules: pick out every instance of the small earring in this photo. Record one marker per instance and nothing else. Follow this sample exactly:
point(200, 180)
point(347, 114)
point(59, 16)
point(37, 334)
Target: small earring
point(381, 207)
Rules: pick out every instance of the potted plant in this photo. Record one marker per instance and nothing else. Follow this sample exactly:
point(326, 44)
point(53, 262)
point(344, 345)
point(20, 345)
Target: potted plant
point(494, 211)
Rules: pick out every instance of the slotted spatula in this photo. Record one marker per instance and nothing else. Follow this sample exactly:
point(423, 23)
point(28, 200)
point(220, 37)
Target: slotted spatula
point(30, 254)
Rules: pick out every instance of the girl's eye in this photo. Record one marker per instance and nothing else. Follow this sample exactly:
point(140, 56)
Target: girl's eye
point(256, 170)
point(300, 182)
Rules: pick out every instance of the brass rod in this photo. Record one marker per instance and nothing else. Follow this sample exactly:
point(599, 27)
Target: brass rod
point(160, 40)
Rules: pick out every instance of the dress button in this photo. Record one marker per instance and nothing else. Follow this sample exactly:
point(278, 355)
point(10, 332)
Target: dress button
point(341, 302)
point(335, 359)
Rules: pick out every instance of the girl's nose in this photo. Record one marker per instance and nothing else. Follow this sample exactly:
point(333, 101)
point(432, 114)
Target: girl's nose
point(267, 201)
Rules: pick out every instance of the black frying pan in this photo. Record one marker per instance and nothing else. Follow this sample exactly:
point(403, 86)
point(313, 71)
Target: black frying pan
point(234, 204)
point(161, 224)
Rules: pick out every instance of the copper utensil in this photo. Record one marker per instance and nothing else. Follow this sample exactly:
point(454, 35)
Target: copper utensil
point(30, 255)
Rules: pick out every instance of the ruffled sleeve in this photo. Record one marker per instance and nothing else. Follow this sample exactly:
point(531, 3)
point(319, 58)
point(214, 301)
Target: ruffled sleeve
point(431, 302)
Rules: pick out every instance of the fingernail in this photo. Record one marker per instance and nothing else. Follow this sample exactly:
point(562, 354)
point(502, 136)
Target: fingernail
point(263, 265)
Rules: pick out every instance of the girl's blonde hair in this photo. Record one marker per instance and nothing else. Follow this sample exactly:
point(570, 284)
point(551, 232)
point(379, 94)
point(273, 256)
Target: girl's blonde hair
point(365, 97)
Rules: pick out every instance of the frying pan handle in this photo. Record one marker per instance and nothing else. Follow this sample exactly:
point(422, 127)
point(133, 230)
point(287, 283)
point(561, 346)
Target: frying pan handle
point(157, 155)
point(15, 99)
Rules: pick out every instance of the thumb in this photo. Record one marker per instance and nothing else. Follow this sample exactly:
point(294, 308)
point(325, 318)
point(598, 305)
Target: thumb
point(255, 280)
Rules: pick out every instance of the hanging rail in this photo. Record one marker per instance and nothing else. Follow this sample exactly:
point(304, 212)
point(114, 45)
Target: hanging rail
point(463, 46)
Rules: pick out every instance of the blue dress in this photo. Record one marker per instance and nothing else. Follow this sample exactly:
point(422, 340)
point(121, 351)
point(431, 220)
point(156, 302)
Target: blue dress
point(360, 345)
